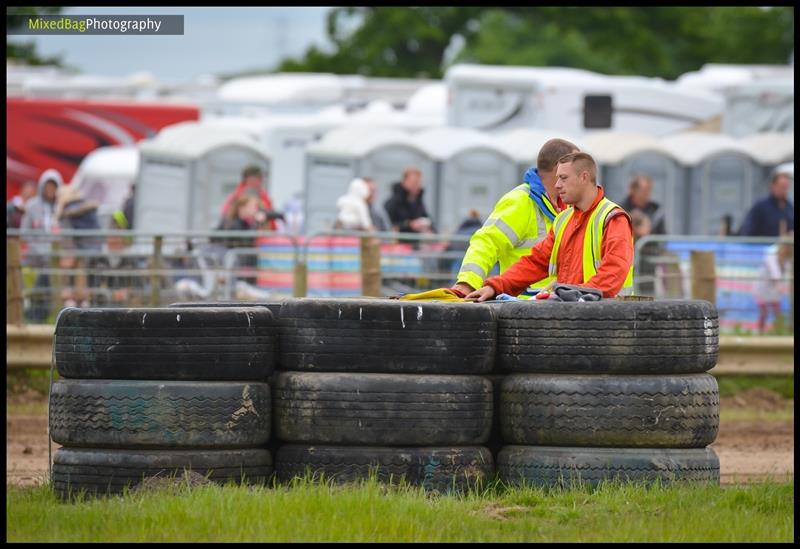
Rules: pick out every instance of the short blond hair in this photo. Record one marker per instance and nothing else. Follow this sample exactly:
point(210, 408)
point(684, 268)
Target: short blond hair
point(583, 163)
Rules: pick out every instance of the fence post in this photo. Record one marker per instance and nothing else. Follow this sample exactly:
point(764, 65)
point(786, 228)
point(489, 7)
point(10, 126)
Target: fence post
point(370, 267)
point(14, 303)
point(56, 282)
point(300, 286)
point(704, 277)
point(155, 278)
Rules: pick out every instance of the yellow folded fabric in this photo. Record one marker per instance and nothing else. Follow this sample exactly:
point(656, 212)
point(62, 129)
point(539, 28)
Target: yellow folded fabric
point(440, 294)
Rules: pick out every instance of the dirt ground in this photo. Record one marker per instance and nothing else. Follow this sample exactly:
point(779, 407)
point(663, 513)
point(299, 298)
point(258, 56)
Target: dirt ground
point(749, 451)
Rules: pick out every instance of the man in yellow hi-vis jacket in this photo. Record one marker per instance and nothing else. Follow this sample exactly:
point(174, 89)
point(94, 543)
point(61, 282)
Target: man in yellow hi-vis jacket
point(520, 219)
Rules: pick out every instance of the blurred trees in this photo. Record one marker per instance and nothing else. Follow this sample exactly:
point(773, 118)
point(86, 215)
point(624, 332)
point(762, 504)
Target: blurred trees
point(649, 41)
point(25, 52)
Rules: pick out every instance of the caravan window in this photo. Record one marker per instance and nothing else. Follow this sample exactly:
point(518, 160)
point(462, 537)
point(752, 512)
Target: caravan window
point(597, 111)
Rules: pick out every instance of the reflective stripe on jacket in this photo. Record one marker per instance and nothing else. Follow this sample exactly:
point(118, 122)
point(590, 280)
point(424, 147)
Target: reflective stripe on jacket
point(592, 242)
point(515, 225)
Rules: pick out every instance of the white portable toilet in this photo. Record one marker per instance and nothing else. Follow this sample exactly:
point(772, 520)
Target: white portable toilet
point(523, 144)
point(361, 151)
point(105, 175)
point(286, 137)
point(473, 172)
point(769, 150)
point(621, 156)
point(186, 172)
point(720, 178)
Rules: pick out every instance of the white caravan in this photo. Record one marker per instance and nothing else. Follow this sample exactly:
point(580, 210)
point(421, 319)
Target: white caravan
point(573, 101)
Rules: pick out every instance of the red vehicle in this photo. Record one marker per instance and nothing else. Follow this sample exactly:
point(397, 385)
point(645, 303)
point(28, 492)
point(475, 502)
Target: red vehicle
point(59, 133)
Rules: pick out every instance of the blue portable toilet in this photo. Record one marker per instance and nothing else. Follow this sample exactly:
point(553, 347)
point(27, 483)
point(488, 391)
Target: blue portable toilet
point(622, 155)
point(473, 172)
point(345, 153)
point(721, 172)
point(769, 151)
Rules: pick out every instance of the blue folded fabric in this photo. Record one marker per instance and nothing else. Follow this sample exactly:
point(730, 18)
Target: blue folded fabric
point(506, 297)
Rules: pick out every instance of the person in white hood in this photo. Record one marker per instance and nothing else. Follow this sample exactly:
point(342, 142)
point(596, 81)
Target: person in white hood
point(353, 208)
point(40, 215)
point(40, 210)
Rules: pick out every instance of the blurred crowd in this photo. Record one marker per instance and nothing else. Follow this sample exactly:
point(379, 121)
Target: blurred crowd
point(50, 206)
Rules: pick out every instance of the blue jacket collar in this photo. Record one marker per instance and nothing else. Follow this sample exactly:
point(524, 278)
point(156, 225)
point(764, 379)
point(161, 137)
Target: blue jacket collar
point(538, 193)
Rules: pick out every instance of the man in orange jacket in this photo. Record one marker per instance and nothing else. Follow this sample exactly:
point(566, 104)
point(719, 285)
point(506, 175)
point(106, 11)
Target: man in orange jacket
point(589, 244)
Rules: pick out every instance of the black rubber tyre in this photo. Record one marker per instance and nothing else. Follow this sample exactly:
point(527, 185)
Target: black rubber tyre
point(273, 306)
point(676, 411)
point(382, 409)
point(165, 414)
point(619, 337)
point(495, 442)
point(562, 467)
point(217, 343)
point(101, 471)
point(434, 468)
point(387, 336)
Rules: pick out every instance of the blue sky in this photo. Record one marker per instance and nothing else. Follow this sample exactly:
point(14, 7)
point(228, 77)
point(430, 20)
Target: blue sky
point(215, 40)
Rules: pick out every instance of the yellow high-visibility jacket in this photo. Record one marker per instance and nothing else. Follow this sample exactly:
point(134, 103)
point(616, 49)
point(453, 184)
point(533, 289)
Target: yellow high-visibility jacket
point(515, 226)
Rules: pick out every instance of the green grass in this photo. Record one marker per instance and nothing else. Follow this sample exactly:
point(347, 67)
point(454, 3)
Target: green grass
point(754, 414)
point(371, 512)
point(732, 385)
point(36, 383)
point(37, 379)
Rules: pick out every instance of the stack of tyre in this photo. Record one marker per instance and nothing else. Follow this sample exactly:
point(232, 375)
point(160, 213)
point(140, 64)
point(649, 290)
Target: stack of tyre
point(386, 388)
point(608, 390)
point(153, 392)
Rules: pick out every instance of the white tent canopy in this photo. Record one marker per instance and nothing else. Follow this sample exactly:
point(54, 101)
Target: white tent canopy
point(105, 175)
point(116, 161)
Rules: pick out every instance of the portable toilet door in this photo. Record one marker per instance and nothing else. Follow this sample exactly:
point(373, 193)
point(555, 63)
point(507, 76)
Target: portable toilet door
point(720, 179)
point(187, 172)
point(216, 175)
point(769, 151)
point(622, 156)
point(473, 173)
point(330, 166)
point(384, 158)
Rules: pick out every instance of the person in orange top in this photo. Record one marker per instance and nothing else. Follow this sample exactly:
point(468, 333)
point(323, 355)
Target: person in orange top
point(252, 181)
point(576, 186)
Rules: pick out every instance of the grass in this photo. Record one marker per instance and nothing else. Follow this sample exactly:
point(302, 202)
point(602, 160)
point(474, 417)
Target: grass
point(36, 379)
point(27, 390)
point(754, 414)
point(732, 385)
point(371, 512)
